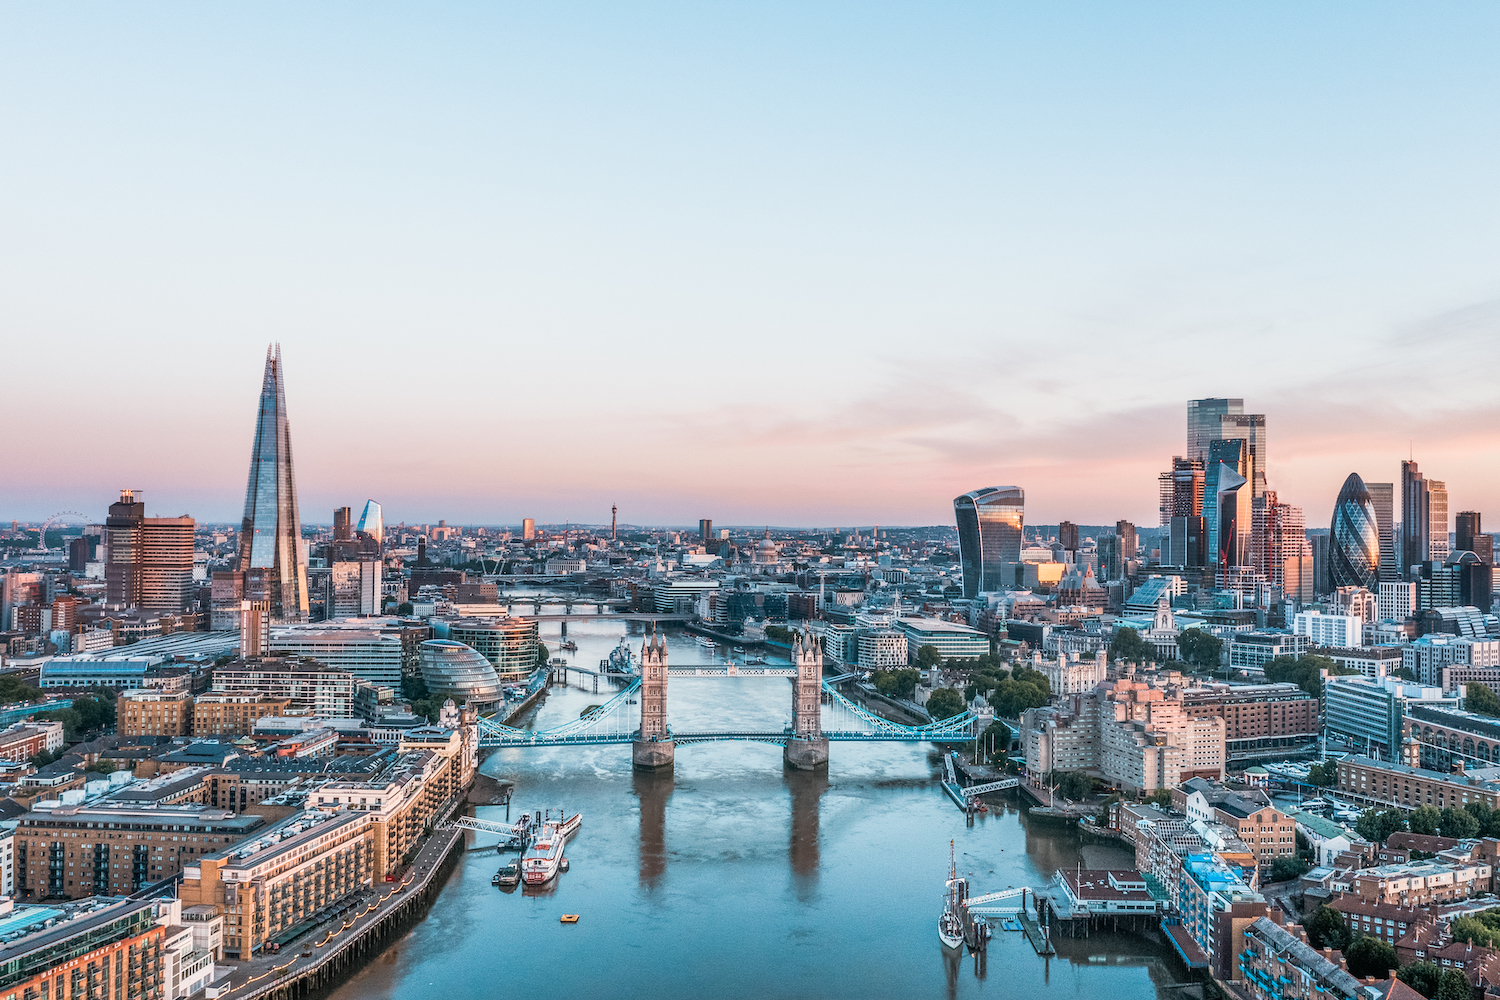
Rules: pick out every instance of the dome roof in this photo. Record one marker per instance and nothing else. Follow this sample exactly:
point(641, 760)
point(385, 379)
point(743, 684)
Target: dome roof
point(460, 669)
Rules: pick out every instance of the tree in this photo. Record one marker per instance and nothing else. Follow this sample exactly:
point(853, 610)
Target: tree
point(1478, 698)
point(945, 703)
point(1161, 797)
point(1326, 929)
point(1304, 671)
point(1023, 689)
point(897, 683)
point(1323, 775)
point(1377, 826)
point(1454, 985)
point(541, 654)
point(1287, 868)
point(1199, 648)
point(1479, 928)
point(1420, 976)
point(928, 657)
point(1424, 820)
point(404, 609)
point(1128, 645)
point(1459, 824)
point(1073, 785)
point(1369, 956)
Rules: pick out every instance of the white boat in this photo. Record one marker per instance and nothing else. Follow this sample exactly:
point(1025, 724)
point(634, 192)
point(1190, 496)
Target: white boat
point(704, 640)
point(951, 921)
point(543, 859)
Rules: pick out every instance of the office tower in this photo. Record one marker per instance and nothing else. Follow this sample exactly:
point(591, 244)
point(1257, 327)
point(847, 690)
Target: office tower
point(342, 531)
point(990, 523)
point(1473, 579)
point(1319, 545)
point(353, 589)
point(1111, 561)
point(528, 529)
point(1067, 536)
point(1187, 541)
point(150, 562)
point(1230, 456)
point(1126, 531)
point(271, 534)
point(1382, 498)
point(1250, 428)
point(705, 530)
point(1398, 600)
point(1414, 535)
point(122, 538)
point(255, 628)
point(372, 525)
point(166, 564)
point(1437, 520)
point(1233, 508)
point(1205, 423)
point(1470, 537)
point(1279, 549)
point(1354, 546)
point(1181, 490)
point(78, 555)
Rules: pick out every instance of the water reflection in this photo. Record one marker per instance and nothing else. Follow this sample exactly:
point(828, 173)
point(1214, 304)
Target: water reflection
point(653, 789)
point(807, 788)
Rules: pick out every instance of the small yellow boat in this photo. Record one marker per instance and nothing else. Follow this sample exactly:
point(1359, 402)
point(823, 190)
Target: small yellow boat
point(570, 918)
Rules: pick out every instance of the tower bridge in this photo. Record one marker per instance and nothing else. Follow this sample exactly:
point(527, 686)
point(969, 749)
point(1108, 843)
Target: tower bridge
point(820, 716)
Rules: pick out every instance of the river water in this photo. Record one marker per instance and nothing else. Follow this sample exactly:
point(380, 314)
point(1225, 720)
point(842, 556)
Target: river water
point(734, 878)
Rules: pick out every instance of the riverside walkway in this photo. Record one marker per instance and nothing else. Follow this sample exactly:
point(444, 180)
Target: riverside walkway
point(341, 945)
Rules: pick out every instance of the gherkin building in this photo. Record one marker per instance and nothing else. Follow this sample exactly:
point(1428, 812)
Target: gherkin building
point(1354, 542)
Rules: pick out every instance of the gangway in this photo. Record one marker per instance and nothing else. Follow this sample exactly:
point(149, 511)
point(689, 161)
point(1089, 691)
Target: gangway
point(988, 904)
point(506, 831)
point(991, 786)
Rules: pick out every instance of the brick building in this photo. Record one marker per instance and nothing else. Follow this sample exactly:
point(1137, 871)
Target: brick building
point(233, 714)
point(26, 740)
point(152, 712)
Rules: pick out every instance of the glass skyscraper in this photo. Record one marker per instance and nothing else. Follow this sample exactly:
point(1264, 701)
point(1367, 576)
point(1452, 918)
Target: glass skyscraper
point(990, 522)
point(1354, 538)
point(371, 522)
point(271, 534)
point(1383, 495)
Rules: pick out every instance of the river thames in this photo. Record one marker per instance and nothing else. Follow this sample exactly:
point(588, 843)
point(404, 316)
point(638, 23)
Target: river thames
point(734, 878)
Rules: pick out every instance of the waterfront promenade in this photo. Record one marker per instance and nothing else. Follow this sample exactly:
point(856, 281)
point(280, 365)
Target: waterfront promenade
point(342, 944)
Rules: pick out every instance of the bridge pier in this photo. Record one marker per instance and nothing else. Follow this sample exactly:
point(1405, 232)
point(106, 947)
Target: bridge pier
point(653, 755)
point(806, 754)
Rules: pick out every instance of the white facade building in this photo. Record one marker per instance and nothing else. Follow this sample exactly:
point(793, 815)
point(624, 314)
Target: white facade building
point(1343, 631)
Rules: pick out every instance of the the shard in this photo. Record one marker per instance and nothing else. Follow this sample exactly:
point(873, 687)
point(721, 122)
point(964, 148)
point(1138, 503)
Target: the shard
point(271, 533)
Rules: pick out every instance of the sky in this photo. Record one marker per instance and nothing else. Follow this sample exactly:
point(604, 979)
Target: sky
point(800, 264)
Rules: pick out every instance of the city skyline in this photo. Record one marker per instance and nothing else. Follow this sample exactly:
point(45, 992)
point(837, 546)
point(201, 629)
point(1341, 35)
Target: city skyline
point(997, 246)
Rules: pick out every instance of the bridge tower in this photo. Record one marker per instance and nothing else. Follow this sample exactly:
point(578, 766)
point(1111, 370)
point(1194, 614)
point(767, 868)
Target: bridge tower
point(807, 747)
point(653, 748)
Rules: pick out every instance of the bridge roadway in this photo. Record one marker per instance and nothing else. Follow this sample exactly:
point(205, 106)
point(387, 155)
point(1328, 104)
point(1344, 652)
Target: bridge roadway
point(779, 738)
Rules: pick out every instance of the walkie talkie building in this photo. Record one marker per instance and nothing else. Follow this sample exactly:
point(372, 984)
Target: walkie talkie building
point(989, 536)
point(271, 533)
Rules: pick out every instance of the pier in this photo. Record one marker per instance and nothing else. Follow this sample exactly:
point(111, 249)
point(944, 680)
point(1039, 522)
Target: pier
point(1035, 933)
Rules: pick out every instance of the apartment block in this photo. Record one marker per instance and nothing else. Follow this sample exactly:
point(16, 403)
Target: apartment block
point(1257, 717)
point(105, 948)
point(116, 848)
point(269, 884)
point(25, 740)
point(309, 687)
point(152, 712)
point(231, 714)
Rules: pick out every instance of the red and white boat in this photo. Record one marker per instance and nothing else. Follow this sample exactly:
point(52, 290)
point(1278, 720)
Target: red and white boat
point(543, 858)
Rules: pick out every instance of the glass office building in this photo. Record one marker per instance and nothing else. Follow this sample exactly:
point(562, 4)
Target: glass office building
point(371, 522)
point(271, 532)
point(452, 668)
point(1354, 539)
point(990, 522)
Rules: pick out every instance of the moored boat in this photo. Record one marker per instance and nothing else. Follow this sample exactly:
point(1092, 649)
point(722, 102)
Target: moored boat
point(543, 859)
point(951, 921)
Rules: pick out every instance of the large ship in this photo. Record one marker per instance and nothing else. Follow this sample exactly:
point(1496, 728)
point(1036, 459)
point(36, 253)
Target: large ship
point(951, 922)
point(544, 857)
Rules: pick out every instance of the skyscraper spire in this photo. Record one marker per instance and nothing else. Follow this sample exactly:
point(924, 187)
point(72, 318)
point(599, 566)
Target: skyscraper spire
point(271, 532)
